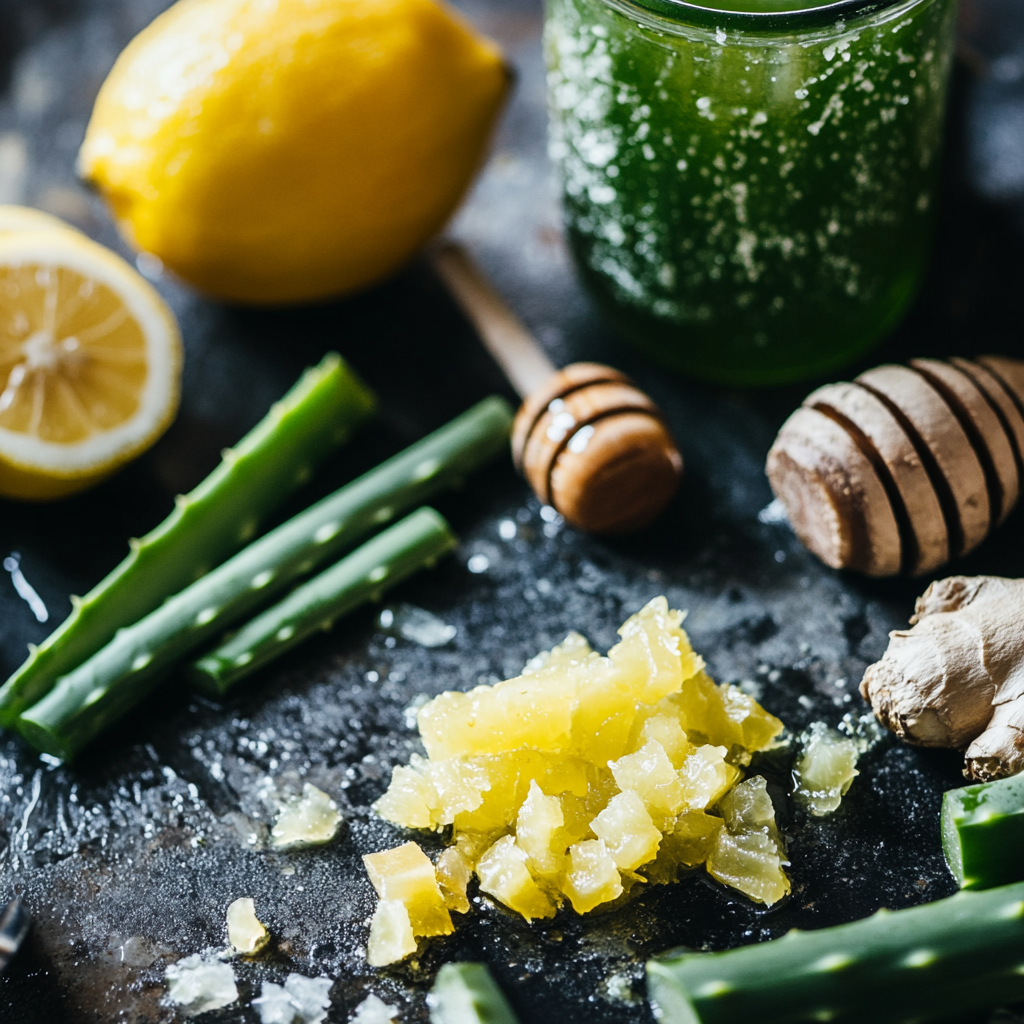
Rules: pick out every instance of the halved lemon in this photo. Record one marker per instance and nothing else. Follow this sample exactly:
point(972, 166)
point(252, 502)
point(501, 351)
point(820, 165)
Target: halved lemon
point(25, 218)
point(90, 363)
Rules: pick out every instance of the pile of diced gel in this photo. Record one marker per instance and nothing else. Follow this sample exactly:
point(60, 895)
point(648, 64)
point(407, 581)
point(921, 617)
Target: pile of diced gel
point(580, 780)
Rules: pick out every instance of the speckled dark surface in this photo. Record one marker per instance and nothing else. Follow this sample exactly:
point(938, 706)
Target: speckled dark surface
point(129, 860)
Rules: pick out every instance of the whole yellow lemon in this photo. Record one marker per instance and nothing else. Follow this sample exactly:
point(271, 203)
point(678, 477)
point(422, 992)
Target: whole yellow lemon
point(274, 151)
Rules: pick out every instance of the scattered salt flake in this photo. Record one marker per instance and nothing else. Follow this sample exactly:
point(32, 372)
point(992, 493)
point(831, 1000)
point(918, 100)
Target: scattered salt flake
point(618, 988)
point(373, 1010)
point(311, 820)
point(865, 729)
point(300, 1000)
point(274, 1005)
point(198, 984)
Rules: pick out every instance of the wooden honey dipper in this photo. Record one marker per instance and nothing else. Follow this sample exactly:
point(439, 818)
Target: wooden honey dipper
point(905, 467)
point(589, 442)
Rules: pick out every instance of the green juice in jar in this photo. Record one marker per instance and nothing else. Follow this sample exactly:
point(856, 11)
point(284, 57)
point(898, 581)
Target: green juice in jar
point(750, 192)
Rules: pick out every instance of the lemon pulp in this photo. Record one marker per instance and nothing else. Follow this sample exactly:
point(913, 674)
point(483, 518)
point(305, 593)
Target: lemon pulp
point(74, 360)
point(90, 359)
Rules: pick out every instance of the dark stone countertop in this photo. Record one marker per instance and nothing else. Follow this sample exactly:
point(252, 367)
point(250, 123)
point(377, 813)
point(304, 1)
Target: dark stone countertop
point(128, 860)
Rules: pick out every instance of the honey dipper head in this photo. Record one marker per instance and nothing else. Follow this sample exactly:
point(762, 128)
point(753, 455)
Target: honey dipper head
point(905, 467)
point(595, 448)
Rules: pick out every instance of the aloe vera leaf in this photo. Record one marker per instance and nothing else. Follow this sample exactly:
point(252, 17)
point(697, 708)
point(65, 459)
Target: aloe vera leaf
point(119, 675)
point(467, 994)
point(983, 833)
point(952, 957)
point(265, 467)
point(364, 575)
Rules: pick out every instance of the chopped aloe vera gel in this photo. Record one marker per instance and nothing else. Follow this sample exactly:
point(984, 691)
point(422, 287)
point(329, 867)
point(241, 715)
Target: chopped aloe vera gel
point(825, 769)
point(503, 874)
point(454, 871)
point(391, 936)
point(101, 690)
point(198, 984)
point(946, 960)
point(983, 833)
point(245, 932)
point(381, 563)
point(467, 994)
point(311, 820)
point(587, 777)
point(416, 625)
point(406, 874)
point(257, 475)
point(748, 853)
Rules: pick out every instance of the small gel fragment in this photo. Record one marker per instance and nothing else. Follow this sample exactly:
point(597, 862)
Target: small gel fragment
point(246, 932)
point(373, 1010)
point(825, 769)
point(300, 1000)
point(311, 820)
point(197, 984)
point(417, 625)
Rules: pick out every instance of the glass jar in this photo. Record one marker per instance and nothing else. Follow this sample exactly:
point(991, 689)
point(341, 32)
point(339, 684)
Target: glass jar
point(750, 193)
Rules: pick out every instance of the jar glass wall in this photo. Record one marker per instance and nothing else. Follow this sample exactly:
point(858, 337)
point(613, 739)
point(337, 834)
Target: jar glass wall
point(750, 195)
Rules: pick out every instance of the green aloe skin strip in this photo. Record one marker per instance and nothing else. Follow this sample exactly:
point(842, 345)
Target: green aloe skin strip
point(467, 994)
point(98, 692)
point(983, 833)
point(265, 467)
point(364, 575)
point(955, 956)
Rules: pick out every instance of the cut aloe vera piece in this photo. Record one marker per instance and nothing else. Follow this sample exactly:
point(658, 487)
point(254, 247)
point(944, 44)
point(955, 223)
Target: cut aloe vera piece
point(942, 961)
point(983, 833)
point(467, 994)
point(102, 689)
point(364, 575)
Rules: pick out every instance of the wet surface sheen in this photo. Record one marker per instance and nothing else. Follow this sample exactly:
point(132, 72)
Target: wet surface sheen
point(129, 861)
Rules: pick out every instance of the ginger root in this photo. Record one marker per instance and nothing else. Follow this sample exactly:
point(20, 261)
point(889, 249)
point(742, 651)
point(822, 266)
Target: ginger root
point(956, 679)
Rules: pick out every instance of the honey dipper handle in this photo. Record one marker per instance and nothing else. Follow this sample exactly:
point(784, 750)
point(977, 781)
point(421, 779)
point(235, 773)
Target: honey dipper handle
point(509, 342)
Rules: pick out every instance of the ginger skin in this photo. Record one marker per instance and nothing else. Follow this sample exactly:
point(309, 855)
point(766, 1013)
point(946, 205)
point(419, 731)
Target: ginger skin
point(956, 679)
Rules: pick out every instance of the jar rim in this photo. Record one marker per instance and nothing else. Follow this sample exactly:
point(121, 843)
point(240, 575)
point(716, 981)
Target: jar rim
point(816, 15)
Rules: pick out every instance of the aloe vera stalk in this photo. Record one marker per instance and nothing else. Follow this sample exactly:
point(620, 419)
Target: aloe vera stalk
point(119, 675)
point(955, 956)
point(364, 575)
point(983, 833)
point(467, 994)
point(268, 464)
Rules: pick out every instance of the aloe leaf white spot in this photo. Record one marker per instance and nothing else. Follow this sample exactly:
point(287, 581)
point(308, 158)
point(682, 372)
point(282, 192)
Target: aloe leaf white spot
point(920, 958)
point(327, 532)
point(426, 469)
